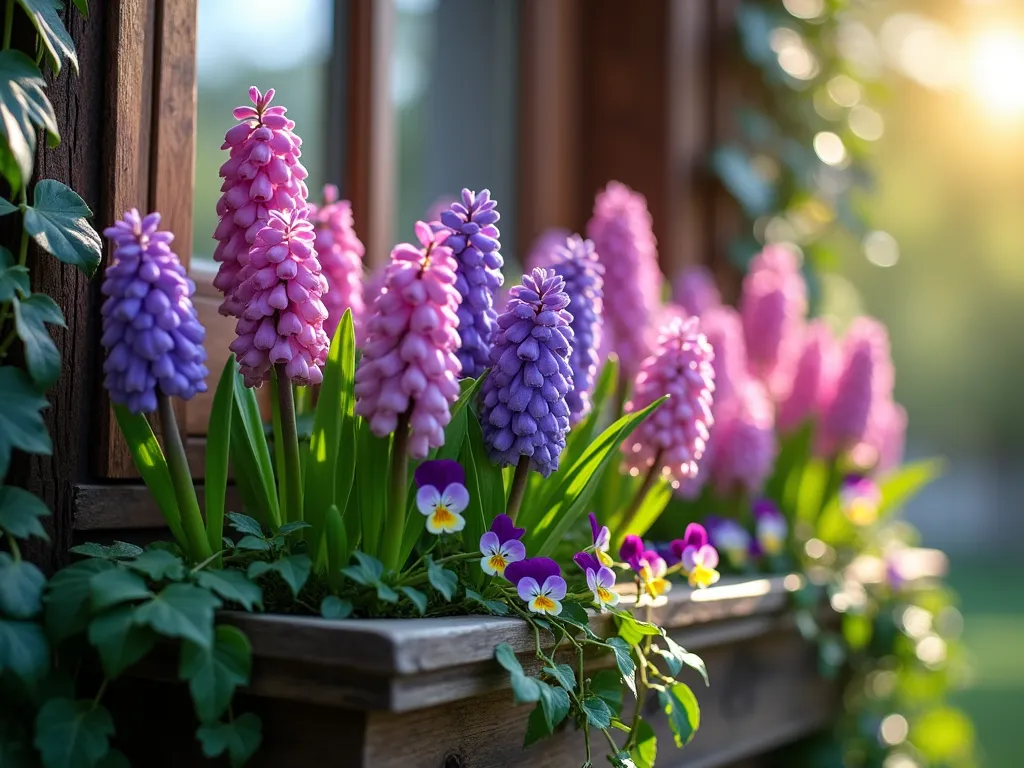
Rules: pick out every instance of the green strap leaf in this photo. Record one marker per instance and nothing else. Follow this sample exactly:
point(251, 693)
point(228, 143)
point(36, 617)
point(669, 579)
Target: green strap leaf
point(58, 221)
point(41, 356)
point(21, 420)
point(250, 455)
point(374, 455)
point(218, 451)
point(337, 546)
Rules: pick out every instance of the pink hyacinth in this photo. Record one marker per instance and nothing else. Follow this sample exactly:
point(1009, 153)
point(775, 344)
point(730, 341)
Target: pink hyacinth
point(883, 445)
point(341, 258)
point(674, 435)
point(625, 244)
point(409, 364)
point(813, 377)
point(280, 289)
point(724, 331)
point(866, 379)
point(745, 445)
point(773, 305)
point(695, 290)
point(262, 175)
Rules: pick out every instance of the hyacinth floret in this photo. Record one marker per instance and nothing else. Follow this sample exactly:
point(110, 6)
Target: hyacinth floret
point(151, 331)
point(746, 444)
point(263, 174)
point(341, 258)
point(409, 368)
point(674, 436)
point(283, 315)
point(474, 241)
point(524, 411)
point(578, 265)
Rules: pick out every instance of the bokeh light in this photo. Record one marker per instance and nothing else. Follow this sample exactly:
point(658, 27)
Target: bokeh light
point(997, 72)
point(881, 249)
point(830, 148)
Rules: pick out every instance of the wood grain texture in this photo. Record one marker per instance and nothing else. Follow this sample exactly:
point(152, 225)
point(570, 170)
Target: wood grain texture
point(126, 151)
point(125, 507)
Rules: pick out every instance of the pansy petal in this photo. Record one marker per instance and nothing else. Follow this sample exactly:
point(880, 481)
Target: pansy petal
point(631, 548)
point(592, 580)
point(587, 561)
point(513, 550)
point(489, 543)
point(485, 565)
point(527, 587)
point(427, 497)
point(455, 497)
point(460, 522)
point(440, 473)
point(506, 529)
point(707, 556)
point(689, 559)
point(537, 568)
point(696, 536)
point(605, 578)
point(554, 587)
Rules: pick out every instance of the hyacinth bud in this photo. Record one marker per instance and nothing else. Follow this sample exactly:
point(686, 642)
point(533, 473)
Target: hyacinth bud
point(622, 234)
point(542, 252)
point(866, 379)
point(814, 375)
point(524, 410)
point(694, 289)
point(745, 442)
point(409, 364)
point(340, 254)
point(723, 329)
point(262, 175)
point(577, 264)
point(773, 305)
point(151, 331)
point(280, 291)
point(674, 436)
point(474, 242)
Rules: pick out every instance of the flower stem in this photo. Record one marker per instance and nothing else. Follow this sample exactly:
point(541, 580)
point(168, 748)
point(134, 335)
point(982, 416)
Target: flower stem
point(638, 500)
point(8, 23)
point(518, 490)
point(290, 444)
point(181, 479)
point(394, 524)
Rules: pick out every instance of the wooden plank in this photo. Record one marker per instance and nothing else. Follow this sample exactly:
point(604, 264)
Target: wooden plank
point(370, 155)
point(126, 167)
point(549, 119)
point(172, 163)
point(126, 507)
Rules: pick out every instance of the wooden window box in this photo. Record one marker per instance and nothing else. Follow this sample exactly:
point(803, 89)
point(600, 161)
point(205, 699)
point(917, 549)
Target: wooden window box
point(426, 693)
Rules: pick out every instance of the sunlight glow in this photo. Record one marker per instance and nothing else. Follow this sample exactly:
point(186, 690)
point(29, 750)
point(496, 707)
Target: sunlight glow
point(997, 72)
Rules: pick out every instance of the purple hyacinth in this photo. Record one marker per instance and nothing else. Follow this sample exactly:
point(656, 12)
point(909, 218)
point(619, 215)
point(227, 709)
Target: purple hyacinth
point(524, 409)
point(577, 263)
point(151, 331)
point(474, 242)
point(621, 229)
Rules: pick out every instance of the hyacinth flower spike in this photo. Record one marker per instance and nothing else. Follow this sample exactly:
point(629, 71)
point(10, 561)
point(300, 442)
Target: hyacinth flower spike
point(154, 345)
point(442, 496)
point(501, 546)
point(539, 583)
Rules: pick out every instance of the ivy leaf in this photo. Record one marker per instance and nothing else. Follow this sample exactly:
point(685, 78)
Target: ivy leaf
point(294, 569)
point(495, 607)
point(253, 544)
point(606, 684)
point(576, 614)
point(239, 738)
point(245, 524)
point(116, 586)
point(72, 733)
point(67, 598)
point(21, 588)
point(59, 45)
point(58, 221)
point(119, 641)
point(114, 759)
point(333, 607)
point(441, 579)
point(624, 661)
point(119, 550)
point(181, 610)
point(24, 650)
point(597, 712)
point(646, 750)
point(41, 356)
point(368, 572)
point(386, 593)
point(683, 712)
point(213, 674)
point(536, 726)
point(232, 585)
point(555, 703)
point(21, 423)
point(24, 108)
point(416, 597)
point(564, 675)
point(524, 689)
point(292, 527)
point(13, 277)
point(632, 630)
point(676, 657)
point(159, 565)
point(20, 512)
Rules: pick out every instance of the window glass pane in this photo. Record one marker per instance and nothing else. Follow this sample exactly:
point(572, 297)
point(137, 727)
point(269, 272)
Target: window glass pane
point(453, 87)
point(258, 42)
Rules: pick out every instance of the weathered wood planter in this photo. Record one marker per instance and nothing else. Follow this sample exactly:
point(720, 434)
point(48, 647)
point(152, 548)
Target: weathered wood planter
point(426, 693)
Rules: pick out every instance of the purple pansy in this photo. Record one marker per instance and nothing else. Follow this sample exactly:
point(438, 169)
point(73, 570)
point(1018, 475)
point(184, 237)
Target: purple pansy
point(695, 537)
point(698, 557)
point(442, 495)
point(771, 527)
point(730, 537)
point(602, 540)
point(500, 546)
point(860, 499)
point(648, 564)
point(600, 579)
point(539, 582)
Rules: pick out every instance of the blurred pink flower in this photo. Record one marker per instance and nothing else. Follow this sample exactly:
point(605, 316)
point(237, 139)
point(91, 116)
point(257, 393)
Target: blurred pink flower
point(694, 289)
point(341, 258)
point(746, 443)
point(813, 377)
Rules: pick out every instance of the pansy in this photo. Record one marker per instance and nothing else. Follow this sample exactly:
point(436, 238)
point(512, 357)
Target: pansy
point(730, 537)
point(860, 498)
point(648, 564)
point(539, 582)
point(501, 546)
point(442, 495)
point(600, 579)
point(771, 527)
point(698, 557)
point(602, 540)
